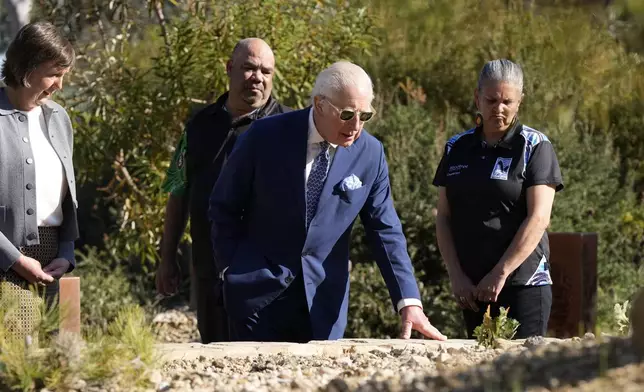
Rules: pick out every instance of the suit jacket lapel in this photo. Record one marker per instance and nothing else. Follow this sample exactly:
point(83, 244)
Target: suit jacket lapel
point(295, 157)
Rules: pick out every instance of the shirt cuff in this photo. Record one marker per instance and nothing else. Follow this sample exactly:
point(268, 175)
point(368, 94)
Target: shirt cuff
point(66, 251)
point(408, 302)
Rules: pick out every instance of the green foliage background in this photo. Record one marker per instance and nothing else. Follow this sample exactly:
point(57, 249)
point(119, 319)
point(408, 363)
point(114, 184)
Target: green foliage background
point(148, 64)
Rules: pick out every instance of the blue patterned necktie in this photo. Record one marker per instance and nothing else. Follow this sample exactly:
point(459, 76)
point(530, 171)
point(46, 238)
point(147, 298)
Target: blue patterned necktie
point(315, 182)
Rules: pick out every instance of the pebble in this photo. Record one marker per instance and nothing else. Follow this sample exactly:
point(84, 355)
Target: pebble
point(443, 358)
point(589, 336)
point(534, 341)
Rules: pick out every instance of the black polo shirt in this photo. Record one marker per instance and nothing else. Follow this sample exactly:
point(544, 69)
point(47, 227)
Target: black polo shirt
point(486, 189)
point(208, 139)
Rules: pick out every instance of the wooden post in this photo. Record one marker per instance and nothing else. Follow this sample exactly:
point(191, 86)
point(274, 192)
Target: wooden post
point(573, 262)
point(69, 300)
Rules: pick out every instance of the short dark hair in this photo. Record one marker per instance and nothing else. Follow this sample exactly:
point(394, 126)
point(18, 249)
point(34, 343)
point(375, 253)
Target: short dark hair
point(35, 44)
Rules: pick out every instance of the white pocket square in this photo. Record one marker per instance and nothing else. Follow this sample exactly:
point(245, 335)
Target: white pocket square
point(350, 183)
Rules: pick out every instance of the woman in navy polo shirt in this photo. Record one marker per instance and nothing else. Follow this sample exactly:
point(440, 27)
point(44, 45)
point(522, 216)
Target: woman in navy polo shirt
point(497, 184)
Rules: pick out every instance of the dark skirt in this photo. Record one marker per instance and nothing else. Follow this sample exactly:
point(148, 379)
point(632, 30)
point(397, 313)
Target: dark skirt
point(26, 315)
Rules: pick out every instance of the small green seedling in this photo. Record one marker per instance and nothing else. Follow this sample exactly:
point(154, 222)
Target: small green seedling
point(501, 327)
point(621, 312)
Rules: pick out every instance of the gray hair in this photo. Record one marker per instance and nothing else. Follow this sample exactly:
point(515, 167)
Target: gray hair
point(337, 77)
point(501, 71)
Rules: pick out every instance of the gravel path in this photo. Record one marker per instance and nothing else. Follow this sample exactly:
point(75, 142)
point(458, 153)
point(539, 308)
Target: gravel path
point(176, 326)
point(586, 364)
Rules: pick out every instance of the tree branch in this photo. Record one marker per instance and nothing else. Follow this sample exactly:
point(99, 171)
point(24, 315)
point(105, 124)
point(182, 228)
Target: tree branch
point(158, 10)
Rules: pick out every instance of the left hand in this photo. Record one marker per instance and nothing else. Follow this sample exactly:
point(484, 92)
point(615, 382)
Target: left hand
point(414, 318)
point(490, 286)
point(57, 267)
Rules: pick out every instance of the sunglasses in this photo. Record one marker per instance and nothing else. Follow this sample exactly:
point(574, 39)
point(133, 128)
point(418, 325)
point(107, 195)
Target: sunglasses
point(348, 114)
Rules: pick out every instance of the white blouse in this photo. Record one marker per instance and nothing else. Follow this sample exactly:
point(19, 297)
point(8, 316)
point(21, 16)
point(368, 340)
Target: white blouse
point(51, 184)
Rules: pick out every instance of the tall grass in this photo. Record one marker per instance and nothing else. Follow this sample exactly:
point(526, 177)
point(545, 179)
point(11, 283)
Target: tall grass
point(122, 357)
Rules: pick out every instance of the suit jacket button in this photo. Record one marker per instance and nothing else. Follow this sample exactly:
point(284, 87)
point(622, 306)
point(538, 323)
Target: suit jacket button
point(30, 211)
point(30, 186)
point(22, 118)
point(31, 236)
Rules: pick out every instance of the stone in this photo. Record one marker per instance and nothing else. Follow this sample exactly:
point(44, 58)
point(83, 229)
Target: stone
point(163, 386)
point(504, 344)
point(589, 336)
point(345, 362)
point(534, 341)
point(443, 358)
point(337, 385)
point(380, 352)
point(78, 384)
point(419, 360)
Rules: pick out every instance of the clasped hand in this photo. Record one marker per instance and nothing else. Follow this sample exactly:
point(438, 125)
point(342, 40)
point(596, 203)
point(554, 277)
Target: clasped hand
point(487, 290)
point(31, 270)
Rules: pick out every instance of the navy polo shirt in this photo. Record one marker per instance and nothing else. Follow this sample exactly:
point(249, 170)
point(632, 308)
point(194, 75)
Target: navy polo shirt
point(486, 189)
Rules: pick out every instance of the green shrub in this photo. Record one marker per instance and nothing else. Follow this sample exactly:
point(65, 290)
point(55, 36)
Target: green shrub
point(105, 290)
point(494, 328)
point(121, 357)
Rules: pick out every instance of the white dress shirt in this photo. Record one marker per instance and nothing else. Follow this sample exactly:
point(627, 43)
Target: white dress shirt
point(51, 185)
point(312, 151)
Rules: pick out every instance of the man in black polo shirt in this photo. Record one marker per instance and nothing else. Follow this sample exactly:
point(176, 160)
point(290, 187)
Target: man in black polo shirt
point(496, 188)
point(208, 139)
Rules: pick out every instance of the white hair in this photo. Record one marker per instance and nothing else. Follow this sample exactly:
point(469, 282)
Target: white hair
point(501, 71)
point(338, 77)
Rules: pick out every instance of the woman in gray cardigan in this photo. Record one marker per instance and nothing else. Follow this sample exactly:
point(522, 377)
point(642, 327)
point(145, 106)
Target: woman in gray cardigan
point(38, 223)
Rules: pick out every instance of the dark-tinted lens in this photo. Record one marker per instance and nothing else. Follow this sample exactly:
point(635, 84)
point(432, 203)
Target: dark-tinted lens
point(366, 116)
point(347, 115)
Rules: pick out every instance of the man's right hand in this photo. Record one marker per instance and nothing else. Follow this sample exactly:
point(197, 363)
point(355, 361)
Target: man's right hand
point(464, 291)
point(31, 270)
point(168, 277)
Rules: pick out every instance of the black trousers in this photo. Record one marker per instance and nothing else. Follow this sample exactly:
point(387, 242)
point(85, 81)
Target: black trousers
point(285, 319)
point(212, 319)
point(529, 305)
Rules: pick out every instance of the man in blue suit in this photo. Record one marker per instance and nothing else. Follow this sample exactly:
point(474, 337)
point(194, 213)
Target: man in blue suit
point(282, 212)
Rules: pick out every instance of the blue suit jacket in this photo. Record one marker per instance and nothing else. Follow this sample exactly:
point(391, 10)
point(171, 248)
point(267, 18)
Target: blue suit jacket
point(257, 210)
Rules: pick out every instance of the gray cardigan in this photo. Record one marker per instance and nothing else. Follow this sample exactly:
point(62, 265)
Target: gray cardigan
point(18, 224)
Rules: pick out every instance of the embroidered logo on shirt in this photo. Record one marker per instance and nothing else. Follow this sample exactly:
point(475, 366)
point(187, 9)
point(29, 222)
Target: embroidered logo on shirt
point(501, 168)
point(455, 169)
